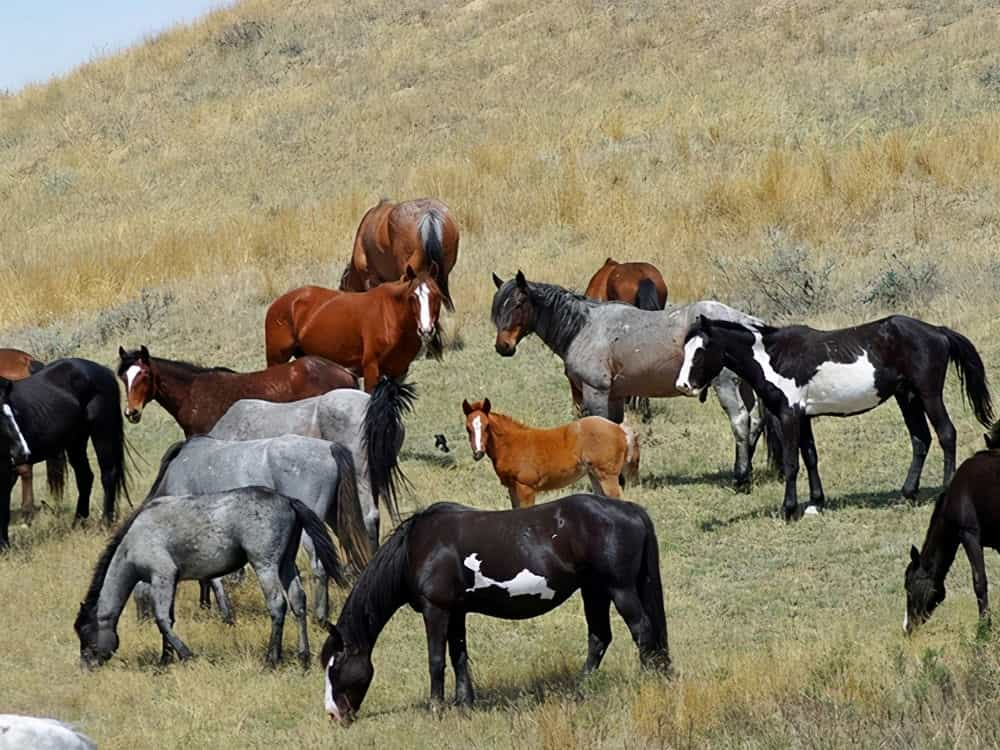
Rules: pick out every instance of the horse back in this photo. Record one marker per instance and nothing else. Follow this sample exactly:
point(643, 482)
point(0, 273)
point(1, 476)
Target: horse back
point(973, 498)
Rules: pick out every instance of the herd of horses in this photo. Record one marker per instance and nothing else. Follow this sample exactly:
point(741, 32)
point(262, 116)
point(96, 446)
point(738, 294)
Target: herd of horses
point(312, 441)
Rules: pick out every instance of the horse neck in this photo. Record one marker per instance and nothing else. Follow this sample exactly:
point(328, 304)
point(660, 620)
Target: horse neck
point(737, 353)
point(172, 384)
point(396, 297)
point(380, 592)
point(503, 430)
point(119, 580)
point(559, 316)
point(939, 548)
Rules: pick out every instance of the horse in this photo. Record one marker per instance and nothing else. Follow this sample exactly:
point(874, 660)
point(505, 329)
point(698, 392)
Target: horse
point(18, 365)
point(449, 560)
point(198, 396)
point(529, 460)
point(801, 373)
point(419, 234)
point(967, 514)
point(20, 732)
point(378, 332)
point(49, 417)
point(612, 351)
point(370, 427)
point(639, 284)
point(176, 538)
point(318, 473)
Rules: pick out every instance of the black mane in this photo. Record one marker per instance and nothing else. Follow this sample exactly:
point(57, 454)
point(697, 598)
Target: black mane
point(993, 436)
point(190, 368)
point(560, 313)
point(730, 325)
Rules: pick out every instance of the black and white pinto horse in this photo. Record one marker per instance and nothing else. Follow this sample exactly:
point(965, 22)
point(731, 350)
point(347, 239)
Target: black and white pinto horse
point(49, 417)
point(800, 373)
point(612, 351)
point(449, 560)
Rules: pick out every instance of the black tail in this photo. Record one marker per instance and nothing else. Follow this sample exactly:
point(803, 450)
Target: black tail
point(350, 526)
point(383, 437)
point(169, 455)
point(55, 475)
point(310, 523)
point(773, 441)
point(646, 297)
point(651, 594)
point(971, 374)
point(431, 229)
point(118, 462)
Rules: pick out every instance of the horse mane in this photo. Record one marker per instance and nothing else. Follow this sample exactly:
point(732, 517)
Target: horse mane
point(382, 587)
point(506, 421)
point(993, 436)
point(188, 368)
point(560, 313)
point(733, 325)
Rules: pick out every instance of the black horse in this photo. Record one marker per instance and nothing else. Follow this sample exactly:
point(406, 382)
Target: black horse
point(967, 514)
point(50, 416)
point(800, 373)
point(449, 560)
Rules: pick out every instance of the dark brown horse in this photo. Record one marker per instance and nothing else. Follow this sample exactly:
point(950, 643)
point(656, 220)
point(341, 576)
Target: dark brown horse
point(639, 284)
point(18, 365)
point(967, 514)
point(378, 332)
point(419, 233)
point(197, 397)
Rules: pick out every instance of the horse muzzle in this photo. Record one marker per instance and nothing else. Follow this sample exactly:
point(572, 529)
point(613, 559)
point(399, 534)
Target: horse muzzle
point(505, 349)
point(478, 455)
point(687, 389)
point(133, 415)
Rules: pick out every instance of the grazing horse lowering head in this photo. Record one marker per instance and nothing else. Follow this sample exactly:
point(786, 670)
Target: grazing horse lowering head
point(477, 424)
point(10, 431)
point(923, 593)
point(349, 673)
point(140, 386)
point(425, 301)
point(513, 313)
point(702, 359)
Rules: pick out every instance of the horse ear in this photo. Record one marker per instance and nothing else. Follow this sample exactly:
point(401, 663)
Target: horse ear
point(5, 387)
point(486, 406)
point(144, 354)
point(522, 282)
point(497, 281)
point(121, 353)
point(914, 555)
point(705, 323)
point(434, 270)
point(337, 639)
point(409, 274)
point(466, 407)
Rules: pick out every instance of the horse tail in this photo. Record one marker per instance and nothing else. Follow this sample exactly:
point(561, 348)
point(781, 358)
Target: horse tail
point(971, 374)
point(650, 590)
point(382, 434)
point(169, 455)
point(55, 474)
point(350, 518)
point(646, 297)
point(431, 233)
point(118, 459)
point(630, 472)
point(306, 520)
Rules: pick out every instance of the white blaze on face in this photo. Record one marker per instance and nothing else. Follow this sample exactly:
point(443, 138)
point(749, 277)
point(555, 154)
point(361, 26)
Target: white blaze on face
point(130, 375)
point(424, 300)
point(842, 388)
point(17, 429)
point(331, 704)
point(477, 435)
point(690, 349)
point(524, 583)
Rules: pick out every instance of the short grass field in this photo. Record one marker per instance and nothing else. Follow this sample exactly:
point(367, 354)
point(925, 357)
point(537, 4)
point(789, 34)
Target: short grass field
point(805, 161)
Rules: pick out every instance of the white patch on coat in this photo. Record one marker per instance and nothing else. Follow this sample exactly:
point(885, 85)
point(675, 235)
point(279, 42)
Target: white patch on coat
point(331, 704)
point(842, 388)
point(524, 583)
point(906, 621)
point(130, 375)
point(690, 349)
point(20, 435)
point(792, 393)
point(38, 733)
point(477, 435)
point(424, 299)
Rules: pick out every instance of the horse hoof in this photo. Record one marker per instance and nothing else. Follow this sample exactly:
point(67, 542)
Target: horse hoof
point(812, 510)
point(743, 488)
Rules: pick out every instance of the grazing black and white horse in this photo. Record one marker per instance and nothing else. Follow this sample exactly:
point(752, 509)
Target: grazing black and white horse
point(612, 351)
point(49, 417)
point(800, 373)
point(184, 537)
point(449, 560)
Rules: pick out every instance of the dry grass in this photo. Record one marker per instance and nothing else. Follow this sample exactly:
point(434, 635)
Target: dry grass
point(165, 195)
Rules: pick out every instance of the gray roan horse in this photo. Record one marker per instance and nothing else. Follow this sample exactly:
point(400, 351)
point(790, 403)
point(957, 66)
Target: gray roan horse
point(613, 351)
point(370, 427)
point(317, 472)
point(170, 539)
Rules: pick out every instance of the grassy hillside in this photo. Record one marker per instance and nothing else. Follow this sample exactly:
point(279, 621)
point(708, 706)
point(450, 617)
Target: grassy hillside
point(805, 160)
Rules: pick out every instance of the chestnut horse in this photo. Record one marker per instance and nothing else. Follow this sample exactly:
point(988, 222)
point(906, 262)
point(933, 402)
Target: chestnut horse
point(18, 365)
point(197, 397)
point(419, 233)
point(639, 284)
point(378, 332)
point(529, 460)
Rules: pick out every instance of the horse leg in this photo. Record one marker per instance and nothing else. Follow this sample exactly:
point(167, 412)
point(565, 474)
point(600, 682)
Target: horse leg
point(974, 551)
point(110, 474)
point(629, 606)
point(577, 393)
point(604, 484)
point(142, 595)
point(727, 390)
point(5, 489)
point(291, 583)
point(790, 425)
point(521, 495)
point(436, 625)
point(645, 409)
point(464, 693)
point(321, 593)
point(77, 457)
point(945, 430)
point(808, 447)
point(371, 373)
point(164, 588)
point(270, 583)
point(24, 471)
point(597, 608)
point(221, 599)
point(920, 438)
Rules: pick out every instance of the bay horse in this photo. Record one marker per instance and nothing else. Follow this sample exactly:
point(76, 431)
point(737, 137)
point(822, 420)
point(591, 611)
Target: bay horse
point(378, 332)
point(53, 414)
point(449, 560)
point(529, 460)
point(801, 373)
point(197, 397)
point(612, 351)
point(639, 284)
point(18, 365)
point(176, 538)
point(419, 234)
point(966, 514)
